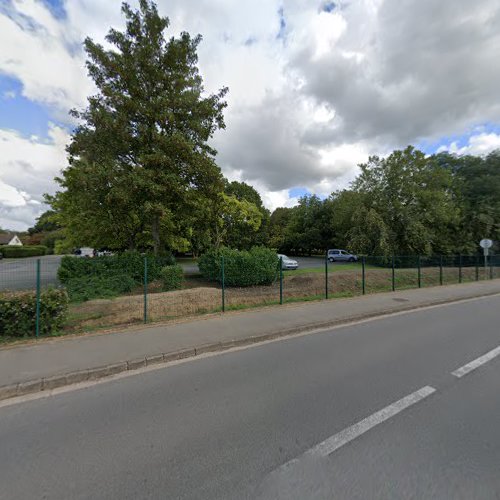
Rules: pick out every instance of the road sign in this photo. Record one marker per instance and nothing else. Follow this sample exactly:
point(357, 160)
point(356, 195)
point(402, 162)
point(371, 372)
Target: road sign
point(485, 244)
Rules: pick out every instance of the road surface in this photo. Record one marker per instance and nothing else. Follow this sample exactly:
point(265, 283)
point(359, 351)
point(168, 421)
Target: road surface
point(402, 407)
point(20, 274)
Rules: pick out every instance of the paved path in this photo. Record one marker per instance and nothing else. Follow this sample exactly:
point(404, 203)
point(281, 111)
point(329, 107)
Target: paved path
point(371, 410)
point(60, 356)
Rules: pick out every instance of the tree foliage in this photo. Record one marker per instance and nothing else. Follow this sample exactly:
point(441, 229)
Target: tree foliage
point(405, 204)
point(139, 162)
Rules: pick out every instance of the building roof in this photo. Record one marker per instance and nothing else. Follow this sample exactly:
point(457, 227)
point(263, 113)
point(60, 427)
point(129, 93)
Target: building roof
point(6, 237)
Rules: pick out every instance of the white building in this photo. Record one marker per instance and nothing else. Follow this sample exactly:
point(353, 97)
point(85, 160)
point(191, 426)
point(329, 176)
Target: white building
point(10, 239)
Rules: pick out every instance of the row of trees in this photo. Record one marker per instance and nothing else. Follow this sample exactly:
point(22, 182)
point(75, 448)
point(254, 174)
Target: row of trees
point(405, 204)
point(142, 174)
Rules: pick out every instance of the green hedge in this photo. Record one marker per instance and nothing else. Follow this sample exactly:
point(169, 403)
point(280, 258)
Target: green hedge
point(107, 276)
point(99, 287)
point(11, 251)
point(18, 312)
point(172, 277)
point(258, 266)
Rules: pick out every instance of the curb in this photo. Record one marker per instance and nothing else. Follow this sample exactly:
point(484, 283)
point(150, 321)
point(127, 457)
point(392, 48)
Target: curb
point(54, 382)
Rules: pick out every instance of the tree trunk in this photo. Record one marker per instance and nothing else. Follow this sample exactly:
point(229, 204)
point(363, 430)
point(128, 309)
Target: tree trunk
point(155, 231)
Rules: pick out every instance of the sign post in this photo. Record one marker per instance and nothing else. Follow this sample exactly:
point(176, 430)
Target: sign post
point(485, 244)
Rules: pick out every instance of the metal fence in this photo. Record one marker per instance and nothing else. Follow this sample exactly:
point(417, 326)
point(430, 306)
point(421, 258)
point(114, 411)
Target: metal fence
point(147, 302)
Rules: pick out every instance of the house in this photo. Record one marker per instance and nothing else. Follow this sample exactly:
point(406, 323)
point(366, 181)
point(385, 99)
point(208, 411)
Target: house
point(10, 239)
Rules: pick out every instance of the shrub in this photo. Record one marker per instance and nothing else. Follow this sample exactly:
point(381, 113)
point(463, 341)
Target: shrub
point(258, 266)
point(18, 312)
point(108, 276)
point(98, 286)
point(172, 277)
point(127, 263)
point(10, 251)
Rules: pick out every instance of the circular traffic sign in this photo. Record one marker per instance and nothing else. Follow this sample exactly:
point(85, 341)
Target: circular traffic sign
point(485, 243)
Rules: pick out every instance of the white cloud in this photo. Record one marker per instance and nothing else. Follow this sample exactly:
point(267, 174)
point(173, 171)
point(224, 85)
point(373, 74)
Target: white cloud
point(478, 144)
point(275, 199)
point(27, 169)
point(41, 53)
point(304, 107)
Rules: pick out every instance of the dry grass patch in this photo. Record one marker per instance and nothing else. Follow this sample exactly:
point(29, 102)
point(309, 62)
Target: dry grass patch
point(130, 309)
point(200, 297)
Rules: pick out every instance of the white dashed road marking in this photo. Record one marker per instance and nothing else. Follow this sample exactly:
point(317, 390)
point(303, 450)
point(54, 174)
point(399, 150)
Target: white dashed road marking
point(464, 370)
point(340, 439)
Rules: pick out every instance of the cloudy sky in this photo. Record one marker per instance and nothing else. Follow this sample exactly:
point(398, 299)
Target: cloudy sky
point(315, 86)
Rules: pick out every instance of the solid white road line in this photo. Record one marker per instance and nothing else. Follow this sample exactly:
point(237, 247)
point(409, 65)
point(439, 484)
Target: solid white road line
point(340, 439)
point(464, 370)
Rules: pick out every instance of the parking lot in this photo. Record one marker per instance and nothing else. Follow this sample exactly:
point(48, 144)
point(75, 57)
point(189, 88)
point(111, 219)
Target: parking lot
point(20, 274)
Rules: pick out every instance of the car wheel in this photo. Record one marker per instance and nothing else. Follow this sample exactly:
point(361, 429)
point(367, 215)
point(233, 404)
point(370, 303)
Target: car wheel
point(331, 259)
point(352, 259)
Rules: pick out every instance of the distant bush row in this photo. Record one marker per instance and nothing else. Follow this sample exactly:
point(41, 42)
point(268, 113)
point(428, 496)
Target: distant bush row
point(11, 251)
point(258, 266)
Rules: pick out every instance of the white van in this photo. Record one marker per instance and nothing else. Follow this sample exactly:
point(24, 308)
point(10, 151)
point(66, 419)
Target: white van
point(84, 252)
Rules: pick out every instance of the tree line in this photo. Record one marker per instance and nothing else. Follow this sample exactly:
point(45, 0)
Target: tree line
point(142, 174)
point(405, 204)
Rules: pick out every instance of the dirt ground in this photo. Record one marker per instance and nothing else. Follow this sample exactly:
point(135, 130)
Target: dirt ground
point(198, 297)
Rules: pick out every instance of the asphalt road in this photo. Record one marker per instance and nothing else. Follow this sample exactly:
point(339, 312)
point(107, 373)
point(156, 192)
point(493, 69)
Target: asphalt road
point(366, 411)
point(20, 274)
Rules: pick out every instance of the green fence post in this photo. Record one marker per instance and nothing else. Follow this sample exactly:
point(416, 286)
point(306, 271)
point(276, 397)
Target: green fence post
point(145, 289)
point(37, 321)
point(460, 268)
point(223, 283)
point(491, 267)
point(440, 269)
point(326, 275)
point(477, 267)
point(393, 274)
point(419, 272)
point(363, 276)
point(281, 280)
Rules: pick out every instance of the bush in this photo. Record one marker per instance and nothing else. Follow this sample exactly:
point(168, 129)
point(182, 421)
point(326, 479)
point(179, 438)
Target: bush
point(10, 251)
point(18, 312)
point(99, 286)
point(172, 277)
point(258, 266)
point(108, 276)
point(127, 263)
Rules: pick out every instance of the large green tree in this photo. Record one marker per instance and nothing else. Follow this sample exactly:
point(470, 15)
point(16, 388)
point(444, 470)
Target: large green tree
point(46, 222)
point(140, 165)
point(477, 190)
point(407, 207)
point(241, 234)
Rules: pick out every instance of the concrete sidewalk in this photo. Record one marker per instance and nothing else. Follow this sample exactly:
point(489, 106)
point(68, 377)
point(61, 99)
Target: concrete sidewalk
point(52, 363)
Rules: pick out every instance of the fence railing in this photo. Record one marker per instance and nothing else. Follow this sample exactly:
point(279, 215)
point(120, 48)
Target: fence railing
point(147, 301)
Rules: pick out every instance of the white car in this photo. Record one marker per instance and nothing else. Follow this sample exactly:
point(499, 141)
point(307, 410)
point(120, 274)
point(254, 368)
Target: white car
point(287, 263)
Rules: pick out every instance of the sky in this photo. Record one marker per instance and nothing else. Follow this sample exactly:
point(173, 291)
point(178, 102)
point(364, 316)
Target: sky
point(315, 86)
